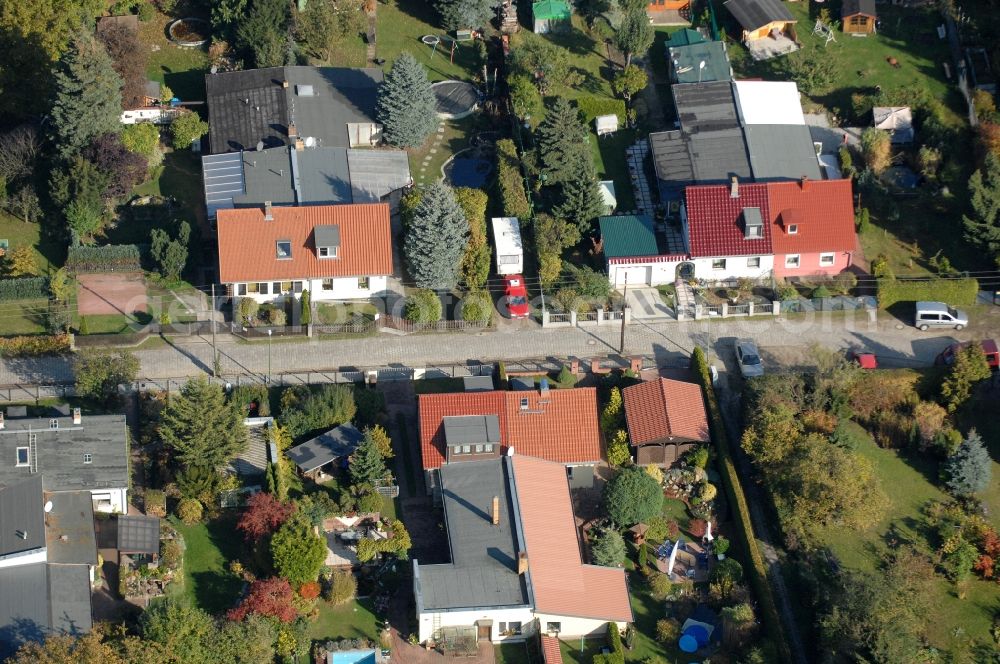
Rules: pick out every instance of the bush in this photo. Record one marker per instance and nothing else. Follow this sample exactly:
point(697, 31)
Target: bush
point(26, 288)
point(306, 304)
point(423, 306)
point(697, 457)
point(619, 452)
point(513, 197)
point(34, 345)
point(340, 588)
point(591, 107)
point(108, 258)
point(956, 292)
point(668, 631)
point(276, 317)
point(370, 405)
point(146, 12)
point(821, 292)
point(186, 128)
point(244, 396)
point(844, 282)
point(155, 503)
point(477, 307)
point(660, 587)
point(190, 511)
point(248, 308)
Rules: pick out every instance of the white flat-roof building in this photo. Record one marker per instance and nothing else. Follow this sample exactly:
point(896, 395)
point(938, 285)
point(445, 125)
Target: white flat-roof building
point(768, 103)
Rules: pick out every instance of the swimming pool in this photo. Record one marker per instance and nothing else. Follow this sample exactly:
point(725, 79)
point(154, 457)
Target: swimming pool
point(352, 657)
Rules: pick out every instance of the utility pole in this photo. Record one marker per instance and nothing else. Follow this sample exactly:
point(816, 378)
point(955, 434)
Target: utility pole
point(621, 346)
point(215, 350)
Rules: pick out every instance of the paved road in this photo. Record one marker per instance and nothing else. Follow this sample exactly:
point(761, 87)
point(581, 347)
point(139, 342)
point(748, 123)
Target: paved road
point(669, 343)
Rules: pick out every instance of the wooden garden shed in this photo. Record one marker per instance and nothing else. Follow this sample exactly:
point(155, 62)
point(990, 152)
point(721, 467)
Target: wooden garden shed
point(858, 16)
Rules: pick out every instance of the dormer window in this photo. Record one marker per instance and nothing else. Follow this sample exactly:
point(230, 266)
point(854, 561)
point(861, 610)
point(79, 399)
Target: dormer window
point(283, 249)
point(327, 241)
point(753, 224)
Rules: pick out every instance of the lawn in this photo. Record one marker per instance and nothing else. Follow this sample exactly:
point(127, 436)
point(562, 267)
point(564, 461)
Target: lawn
point(354, 620)
point(339, 313)
point(401, 24)
point(209, 549)
point(908, 482)
point(427, 160)
point(23, 317)
point(115, 323)
point(589, 60)
point(49, 254)
point(609, 157)
point(512, 653)
point(182, 69)
point(179, 177)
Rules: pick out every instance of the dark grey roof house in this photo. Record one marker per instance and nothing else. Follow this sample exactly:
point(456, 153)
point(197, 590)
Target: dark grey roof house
point(75, 453)
point(337, 443)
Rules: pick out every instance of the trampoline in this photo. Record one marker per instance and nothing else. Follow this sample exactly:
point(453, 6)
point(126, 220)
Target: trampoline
point(455, 99)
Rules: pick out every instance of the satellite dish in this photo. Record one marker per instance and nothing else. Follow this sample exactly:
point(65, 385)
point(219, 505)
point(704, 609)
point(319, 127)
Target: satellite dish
point(260, 146)
point(48, 506)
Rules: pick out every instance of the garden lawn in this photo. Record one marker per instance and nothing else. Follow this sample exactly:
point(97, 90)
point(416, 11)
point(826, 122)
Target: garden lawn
point(353, 620)
point(25, 317)
point(908, 483)
point(611, 163)
point(210, 547)
point(342, 312)
point(401, 24)
point(179, 177)
point(512, 653)
point(454, 139)
point(182, 69)
point(588, 58)
point(49, 254)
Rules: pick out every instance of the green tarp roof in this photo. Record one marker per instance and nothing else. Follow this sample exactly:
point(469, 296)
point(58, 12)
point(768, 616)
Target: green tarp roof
point(550, 10)
point(685, 37)
point(628, 235)
point(687, 62)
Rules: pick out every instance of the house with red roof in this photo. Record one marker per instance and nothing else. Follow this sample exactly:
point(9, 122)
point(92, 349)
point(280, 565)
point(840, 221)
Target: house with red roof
point(812, 227)
point(517, 567)
point(336, 252)
point(556, 425)
point(665, 418)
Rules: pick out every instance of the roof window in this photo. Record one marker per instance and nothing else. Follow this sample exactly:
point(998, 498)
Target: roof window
point(283, 248)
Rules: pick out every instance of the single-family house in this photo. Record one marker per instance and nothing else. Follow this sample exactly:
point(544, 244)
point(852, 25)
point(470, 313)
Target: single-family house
point(557, 425)
point(665, 418)
point(48, 561)
point(516, 567)
point(897, 120)
point(336, 252)
point(69, 452)
point(858, 16)
point(761, 19)
point(315, 456)
point(550, 15)
point(812, 227)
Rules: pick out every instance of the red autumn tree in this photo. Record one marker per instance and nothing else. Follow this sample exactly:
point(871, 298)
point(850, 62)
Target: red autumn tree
point(991, 543)
point(309, 590)
point(263, 514)
point(267, 597)
point(984, 567)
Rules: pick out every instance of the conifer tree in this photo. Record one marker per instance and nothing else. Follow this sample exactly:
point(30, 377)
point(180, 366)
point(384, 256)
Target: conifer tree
point(406, 105)
point(562, 143)
point(461, 14)
point(367, 464)
point(582, 201)
point(201, 427)
point(436, 239)
point(88, 96)
point(983, 226)
point(970, 469)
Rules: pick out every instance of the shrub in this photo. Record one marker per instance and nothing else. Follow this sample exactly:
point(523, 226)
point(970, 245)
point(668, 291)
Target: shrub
point(656, 528)
point(566, 378)
point(660, 586)
point(186, 128)
point(34, 345)
point(25, 288)
point(423, 306)
point(609, 549)
point(698, 456)
point(591, 107)
point(513, 197)
point(108, 258)
point(956, 292)
point(697, 527)
point(248, 308)
point(190, 511)
point(821, 292)
point(721, 545)
point(155, 502)
point(309, 590)
point(477, 307)
point(844, 282)
point(668, 631)
point(370, 503)
point(304, 301)
point(276, 317)
point(247, 395)
point(618, 449)
point(146, 12)
point(340, 587)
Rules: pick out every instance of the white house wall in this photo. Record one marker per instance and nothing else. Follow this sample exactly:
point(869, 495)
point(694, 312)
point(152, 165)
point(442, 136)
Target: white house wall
point(468, 617)
point(345, 288)
point(736, 267)
point(110, 500)
point(656, 273)
point(575, 627)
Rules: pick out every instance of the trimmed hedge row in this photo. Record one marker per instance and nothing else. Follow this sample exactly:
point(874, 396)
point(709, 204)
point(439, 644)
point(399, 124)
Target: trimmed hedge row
point(34, 345)
point(957, 292)
point(25, 288)
point(109, 258)
point(617, 654)
point(591, 107)
point(734, 492)
point(513, 197)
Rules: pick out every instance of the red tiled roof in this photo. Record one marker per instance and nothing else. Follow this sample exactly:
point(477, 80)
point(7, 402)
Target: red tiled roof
point(247, 243)
point(661, 409)
point(715, 220)
point(561, 426)
point(551, 652)
point(561, 583)
point(823, 211)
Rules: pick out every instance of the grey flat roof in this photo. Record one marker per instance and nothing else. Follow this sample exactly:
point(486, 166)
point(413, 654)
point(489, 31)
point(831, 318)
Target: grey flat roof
point(322, 176)
point(522, 384)
point(222, 175)
point(336, 443)
point(465, 429)
point(327, 235)
point(39, 599)
point(60, 452)
point(782, 152)
point(483, 568)
point(708, 157)
point(705, 106)
point(69, 598)
point(21, 512)
point(253, 460)
point(138, 534)
point(754, 14)
point(686, 62)
point(478, 383)
point(376, 173)
point(69, 528)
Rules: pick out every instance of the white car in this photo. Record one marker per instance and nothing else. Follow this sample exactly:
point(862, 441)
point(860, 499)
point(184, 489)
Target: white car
point(748, 357)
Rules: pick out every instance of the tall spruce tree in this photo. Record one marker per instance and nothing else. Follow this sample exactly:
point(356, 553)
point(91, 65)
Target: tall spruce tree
point(88, 98)
point(562, 143)
point(436, 239)
point(201, 427)
point(983, 226)
point(582, 201)
point(970, 469)
point(406, 105)
point(367, 464)
point(460, 14)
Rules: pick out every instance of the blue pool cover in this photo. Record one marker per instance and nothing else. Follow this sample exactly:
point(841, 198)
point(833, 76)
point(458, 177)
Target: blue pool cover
point(470, 172)
point(352, 657)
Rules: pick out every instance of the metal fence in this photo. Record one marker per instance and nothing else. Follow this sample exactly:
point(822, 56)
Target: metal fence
point(365, 327)
point(252, 333)
point(403, 325)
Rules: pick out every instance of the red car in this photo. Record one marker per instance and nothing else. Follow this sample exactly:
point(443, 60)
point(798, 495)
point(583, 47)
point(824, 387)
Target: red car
point(990, 350)
point(864, 360)
point(516, 296)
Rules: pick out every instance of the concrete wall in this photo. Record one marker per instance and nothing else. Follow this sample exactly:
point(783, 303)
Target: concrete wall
point(809, 264)
point(345, 288)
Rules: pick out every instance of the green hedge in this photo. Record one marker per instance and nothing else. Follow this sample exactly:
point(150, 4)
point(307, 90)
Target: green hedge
point(510, 183)
point(956, 292)
point(34, 345)
point(591, 107)
point(25, 288)
point(734, 492)
point(617, 654)
point(109, 258)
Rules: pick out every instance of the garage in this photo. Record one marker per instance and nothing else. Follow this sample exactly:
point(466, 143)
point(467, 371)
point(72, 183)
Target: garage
point(633, 275)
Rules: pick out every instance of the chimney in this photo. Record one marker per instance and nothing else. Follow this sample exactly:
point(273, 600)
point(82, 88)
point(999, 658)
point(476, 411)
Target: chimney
point(267, 211)
point(300, 145)
point(496, 510)
point(543, 387)
point(284, 84)
point(734, 187)
point(522, 562)
point(77, 418)
point(804, 182)
point(293, 131)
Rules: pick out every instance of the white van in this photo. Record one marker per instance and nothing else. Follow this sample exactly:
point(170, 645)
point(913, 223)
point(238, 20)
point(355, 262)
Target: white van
point(939, 314)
